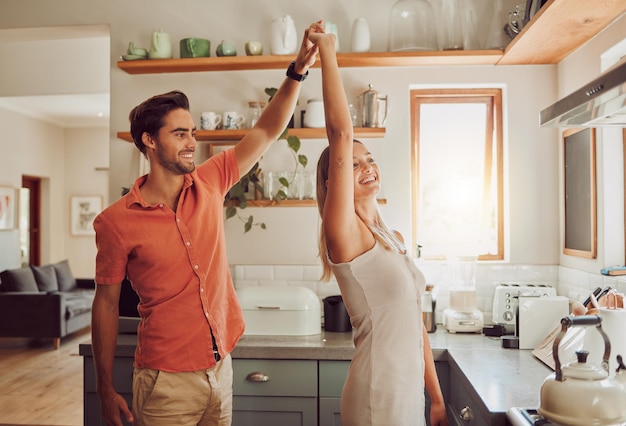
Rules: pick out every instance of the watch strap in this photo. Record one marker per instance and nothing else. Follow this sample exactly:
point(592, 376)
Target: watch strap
point(292, 74)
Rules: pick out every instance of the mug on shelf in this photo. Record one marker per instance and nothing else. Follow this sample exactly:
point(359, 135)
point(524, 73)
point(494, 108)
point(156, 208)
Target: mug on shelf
point(210, 120)
point(233, 120)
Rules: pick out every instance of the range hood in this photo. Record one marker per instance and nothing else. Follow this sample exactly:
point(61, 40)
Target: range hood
point(599, 103)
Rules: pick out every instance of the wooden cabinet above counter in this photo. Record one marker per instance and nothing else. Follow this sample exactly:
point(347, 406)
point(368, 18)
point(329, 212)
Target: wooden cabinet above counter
point(559, 28)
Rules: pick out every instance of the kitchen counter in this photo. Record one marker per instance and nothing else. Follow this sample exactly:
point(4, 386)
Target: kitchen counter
point(500, 378)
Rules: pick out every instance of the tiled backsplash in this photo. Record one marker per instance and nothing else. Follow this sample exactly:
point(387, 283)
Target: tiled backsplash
point(569, 282)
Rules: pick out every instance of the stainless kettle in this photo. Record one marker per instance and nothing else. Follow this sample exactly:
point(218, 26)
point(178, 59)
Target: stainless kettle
point(374, 108)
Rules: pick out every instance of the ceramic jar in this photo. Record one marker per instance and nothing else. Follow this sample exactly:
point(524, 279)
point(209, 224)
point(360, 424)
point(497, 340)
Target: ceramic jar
point(314, 114)
point(360, 41)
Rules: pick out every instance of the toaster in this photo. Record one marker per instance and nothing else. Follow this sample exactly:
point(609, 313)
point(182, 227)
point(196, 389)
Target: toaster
point(505, 298)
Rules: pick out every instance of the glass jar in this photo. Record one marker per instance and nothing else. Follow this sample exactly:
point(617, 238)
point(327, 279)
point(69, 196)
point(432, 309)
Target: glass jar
point(412, 26)
point(254, 112)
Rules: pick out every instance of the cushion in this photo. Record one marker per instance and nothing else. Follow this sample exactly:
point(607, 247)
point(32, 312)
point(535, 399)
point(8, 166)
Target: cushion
point(65, 278)
point(78, 303)
point(21, 279)
point(46, 278)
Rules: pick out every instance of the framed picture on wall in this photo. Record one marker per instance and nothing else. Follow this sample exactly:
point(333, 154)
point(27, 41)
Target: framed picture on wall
point(83, 210)
point(579, 192)
point(8, 208)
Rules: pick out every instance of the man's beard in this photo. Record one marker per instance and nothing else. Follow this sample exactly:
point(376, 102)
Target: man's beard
point(177, 167)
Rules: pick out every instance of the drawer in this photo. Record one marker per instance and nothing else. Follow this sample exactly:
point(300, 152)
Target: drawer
point(261, 377)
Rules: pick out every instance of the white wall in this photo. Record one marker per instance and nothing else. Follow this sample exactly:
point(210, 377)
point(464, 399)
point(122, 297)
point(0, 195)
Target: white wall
point(531, 153)
point(579, 68)
point(32, 147)
point(86, 154)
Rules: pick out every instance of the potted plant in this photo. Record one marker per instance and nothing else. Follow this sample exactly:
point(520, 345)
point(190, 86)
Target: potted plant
point(236, 200)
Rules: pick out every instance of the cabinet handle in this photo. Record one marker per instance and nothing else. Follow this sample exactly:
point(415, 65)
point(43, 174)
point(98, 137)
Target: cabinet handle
point(466, 413)
point(258, 376)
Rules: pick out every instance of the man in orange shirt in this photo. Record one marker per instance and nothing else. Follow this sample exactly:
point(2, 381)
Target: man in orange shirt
point(167, 236)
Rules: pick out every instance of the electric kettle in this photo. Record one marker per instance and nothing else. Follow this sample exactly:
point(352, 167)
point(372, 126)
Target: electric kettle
point(374, 108)
point(581, 394)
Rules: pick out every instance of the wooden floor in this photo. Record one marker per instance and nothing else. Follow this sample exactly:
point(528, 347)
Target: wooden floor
point(40, 385)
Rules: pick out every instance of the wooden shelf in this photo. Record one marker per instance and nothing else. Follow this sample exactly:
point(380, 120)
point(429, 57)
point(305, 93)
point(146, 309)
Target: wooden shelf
point(345, 60)
point(291, 203)
point(559, 28)
point(225, 137)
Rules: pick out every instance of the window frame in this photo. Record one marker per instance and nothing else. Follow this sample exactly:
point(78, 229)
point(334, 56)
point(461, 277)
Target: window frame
point(493, 119)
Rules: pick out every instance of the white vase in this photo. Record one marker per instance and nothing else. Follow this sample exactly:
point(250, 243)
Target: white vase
point(360, 41)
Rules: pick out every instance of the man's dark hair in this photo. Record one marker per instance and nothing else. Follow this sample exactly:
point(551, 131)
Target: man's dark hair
point(147, 117)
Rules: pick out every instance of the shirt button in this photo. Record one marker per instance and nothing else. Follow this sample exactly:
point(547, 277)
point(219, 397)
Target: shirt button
point(206, 314)
point(188, 243)
point(196, 266)
point(177, 220)
point(202, 290)
point(161, 205)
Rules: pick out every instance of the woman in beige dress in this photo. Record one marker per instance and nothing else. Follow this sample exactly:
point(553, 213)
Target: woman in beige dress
point(380, 284)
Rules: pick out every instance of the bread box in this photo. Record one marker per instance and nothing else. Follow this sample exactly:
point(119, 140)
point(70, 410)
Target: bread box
point(286, 310)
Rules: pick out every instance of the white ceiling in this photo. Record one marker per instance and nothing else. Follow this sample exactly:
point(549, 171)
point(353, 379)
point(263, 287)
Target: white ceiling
point(67, 111)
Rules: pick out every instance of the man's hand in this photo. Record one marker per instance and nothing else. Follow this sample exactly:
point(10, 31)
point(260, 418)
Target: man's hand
point(113, 406)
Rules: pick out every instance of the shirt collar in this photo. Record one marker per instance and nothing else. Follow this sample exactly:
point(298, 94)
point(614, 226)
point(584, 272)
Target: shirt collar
point(134, 195)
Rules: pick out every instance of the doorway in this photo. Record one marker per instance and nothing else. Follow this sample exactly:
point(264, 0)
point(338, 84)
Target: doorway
point(30, 221)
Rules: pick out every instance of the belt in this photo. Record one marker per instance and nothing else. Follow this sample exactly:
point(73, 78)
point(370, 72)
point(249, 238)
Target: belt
point(216, 352)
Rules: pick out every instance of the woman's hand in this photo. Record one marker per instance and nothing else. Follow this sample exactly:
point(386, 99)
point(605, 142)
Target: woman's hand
point(306, 54)
point(316, 34)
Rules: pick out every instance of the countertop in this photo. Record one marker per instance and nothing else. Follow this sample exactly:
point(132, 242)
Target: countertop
point(500, 378)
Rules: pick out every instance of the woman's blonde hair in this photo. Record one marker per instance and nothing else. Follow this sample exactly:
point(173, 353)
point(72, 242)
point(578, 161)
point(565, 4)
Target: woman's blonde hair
point(381, 233)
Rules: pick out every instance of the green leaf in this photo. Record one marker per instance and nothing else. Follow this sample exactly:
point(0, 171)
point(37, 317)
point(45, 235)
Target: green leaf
point(284, 182)
point(302, 159)
point(281, 195)
point(262, 225)
point(270, 91)
point(230, 212)
point(294, 143)
point(248, 225)
point(283, 135)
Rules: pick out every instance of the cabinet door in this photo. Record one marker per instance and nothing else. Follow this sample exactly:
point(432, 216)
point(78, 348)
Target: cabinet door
point(330, 414)
point(122, 380)
point(463, 408)
point(275, 411)
point(332, 376)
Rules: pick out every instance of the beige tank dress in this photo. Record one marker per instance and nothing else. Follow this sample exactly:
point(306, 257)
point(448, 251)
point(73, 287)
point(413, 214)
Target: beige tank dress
point(382, 292)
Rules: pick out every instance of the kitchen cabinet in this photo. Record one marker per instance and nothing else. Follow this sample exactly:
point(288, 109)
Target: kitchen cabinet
point(122, 380)
point(332, 375)
point(464, 406)
point(559, 28)
point(274, 392)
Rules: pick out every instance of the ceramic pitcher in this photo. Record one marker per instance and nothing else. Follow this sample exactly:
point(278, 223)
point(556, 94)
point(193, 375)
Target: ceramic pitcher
point(161, 47)
point(284, 39)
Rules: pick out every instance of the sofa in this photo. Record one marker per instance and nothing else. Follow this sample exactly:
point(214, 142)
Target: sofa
point(44, 302)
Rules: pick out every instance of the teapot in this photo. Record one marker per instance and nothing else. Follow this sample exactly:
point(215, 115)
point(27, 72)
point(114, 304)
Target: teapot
point(580, 394)
point(284, 39)
point(161, 46)
point(372, 106)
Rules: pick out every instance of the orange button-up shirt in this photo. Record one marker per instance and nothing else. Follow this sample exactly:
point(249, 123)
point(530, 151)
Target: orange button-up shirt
point(177, 264)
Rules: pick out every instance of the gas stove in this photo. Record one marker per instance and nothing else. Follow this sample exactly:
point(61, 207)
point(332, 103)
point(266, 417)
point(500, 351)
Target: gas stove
point(526, 417)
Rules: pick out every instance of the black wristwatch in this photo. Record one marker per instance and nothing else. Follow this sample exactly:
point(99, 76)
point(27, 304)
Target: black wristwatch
point(294, 75)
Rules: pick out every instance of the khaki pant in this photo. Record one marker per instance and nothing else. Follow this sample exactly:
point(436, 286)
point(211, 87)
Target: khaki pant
point(202, 397)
